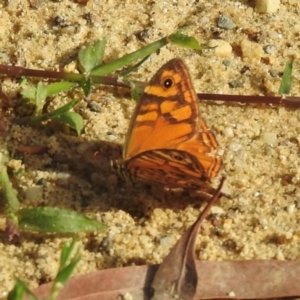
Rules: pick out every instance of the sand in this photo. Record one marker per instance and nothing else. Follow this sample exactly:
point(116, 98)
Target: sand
point(259, 144)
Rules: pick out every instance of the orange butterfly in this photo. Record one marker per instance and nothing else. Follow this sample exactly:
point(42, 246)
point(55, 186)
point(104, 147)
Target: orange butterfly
point(167, 141)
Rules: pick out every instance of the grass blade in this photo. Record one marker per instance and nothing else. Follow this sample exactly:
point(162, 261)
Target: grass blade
point(64, 108)
point(66, 268)
point(286, 81)
point(9, 193)
point(133, 68)
point(129, 58)
point(59, 87)
point(19, 290)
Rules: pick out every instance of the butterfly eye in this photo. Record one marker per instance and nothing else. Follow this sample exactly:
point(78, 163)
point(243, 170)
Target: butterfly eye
point(168, 83)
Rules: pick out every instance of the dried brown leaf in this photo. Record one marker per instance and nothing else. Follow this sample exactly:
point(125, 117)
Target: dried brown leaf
point(177, 275)
point(251, 279)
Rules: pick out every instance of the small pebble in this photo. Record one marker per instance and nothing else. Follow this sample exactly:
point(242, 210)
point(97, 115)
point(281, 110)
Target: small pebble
point(94, 106)
point(4, 57)
point(204, 21)
point(111, 136)
point(225, 22)
point(221, 47)
point(273, 73)
point(167, 242)
point(291, 208)
point(60, 21)
point(293, 157)
point(270, 138)
point(267, 6)
point(63, 176)
point(228, 131)
point(236, 83)
point(42, 181)
point(269, 49)
point(226, 62)
point(217, 210)
point(244, 69)
point(251, 50)
point(235, 146)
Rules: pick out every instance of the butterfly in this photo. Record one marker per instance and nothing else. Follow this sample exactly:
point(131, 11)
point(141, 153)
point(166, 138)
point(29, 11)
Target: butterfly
point(167, 142)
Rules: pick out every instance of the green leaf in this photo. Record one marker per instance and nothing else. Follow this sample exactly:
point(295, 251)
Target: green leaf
point(129, 58)
point(18, 291)
point(9, 193)
point(58, 114)
point(29, 92)
point(134, 67)
point(183, 40)
point(65, 108)
point(49, 219)
point(65, 273)
point(59, 87)
point(92, 56)
point(71, 119)
point(66, 253)
point(86, 86)
point(286, 81)
point(66, 268)
point(40, 99)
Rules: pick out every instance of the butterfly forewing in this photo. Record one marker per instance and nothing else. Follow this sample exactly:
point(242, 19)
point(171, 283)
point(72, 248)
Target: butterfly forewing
point(167, 141)
point(164, 116)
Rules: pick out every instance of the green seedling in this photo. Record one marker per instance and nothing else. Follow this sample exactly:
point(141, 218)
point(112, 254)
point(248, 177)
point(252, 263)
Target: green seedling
point(67, 264)
point(286, 81)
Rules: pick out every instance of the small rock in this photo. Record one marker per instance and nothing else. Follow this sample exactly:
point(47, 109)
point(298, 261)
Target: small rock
point(251, 51)
point(225, 22)
point(244, 69)
point(42, 181)
point(167, 241)
point(235, 146)
point(267, 6)
point(270, 49)
point(291, 208)
point(94, 106)
point(204, 21)
point(228, 132)
point(273, 73)
point(236, 83)
point(217, 210)
point(226, 62)
point(221, 47)
point(63, 176)
point(111, 136)
point(269, 60)
point(270, 138)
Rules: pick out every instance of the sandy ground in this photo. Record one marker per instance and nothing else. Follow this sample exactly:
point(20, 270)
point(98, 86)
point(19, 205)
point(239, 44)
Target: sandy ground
point(259, 144)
